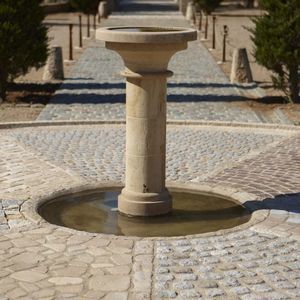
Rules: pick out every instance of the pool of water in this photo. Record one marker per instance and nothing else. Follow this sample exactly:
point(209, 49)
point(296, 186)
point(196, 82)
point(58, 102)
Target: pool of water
point(96, 211)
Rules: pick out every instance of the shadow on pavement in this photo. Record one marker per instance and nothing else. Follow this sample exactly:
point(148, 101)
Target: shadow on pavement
point(287, 202)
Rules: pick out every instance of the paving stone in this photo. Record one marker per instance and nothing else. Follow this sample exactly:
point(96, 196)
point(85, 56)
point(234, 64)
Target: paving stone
point(16, 293)
point(119, 270)
point(116, 296)
point(188, 294)
point(28, 276)
point(43, 293)
point(240, 290)
point(65, 280)
point(72, 289)
point(167, 294)
point(70, 271)
point(214, 292)
point(109, 283)
point(122, 259)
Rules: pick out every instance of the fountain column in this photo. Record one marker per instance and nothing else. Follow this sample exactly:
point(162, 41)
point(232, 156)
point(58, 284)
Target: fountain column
point(145, 192)
point(146, 56)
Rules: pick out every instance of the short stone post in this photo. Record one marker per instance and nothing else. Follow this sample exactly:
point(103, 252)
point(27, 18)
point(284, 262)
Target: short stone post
point(240, 70)
point(70, 42)
point(103, 9)
point(54, 69)
point(94, 22)
point(183, 6)
point(225, 34)
point(80, 31)
point(206, 27)
point(190, 12)
point(214, 32)
point(88, 34)
point(200, 21)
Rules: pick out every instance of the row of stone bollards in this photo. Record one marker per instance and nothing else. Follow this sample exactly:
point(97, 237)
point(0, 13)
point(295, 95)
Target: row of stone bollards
point(54, 68)
point(240, 69)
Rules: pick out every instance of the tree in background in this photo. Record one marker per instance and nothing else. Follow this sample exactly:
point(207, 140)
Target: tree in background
point(276, 37)
point(249, 3)
point(208, 6)
point(85, 6)
point(23, 39)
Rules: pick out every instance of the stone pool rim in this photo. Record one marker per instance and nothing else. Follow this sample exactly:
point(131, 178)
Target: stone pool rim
point(178, 35)
point(30, 208)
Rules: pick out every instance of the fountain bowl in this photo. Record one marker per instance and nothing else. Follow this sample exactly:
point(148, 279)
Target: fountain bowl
point(146, 34)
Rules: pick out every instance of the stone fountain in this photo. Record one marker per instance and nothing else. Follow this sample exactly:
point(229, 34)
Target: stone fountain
point(146, 52)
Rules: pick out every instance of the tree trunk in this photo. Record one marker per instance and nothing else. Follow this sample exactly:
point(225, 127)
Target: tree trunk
point(3, 84)
point(294, 83)
point(249, 3)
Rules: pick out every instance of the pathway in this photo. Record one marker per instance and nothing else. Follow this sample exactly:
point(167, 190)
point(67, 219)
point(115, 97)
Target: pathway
point(198, 90)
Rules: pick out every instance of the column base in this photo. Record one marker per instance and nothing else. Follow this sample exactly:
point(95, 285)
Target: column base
point(144, 204)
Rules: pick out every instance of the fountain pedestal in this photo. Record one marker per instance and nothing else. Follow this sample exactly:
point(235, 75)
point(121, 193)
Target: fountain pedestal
point(146, 52)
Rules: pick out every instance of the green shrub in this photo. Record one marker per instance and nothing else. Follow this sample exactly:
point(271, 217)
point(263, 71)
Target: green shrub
point(276, 37)
point(23, 39)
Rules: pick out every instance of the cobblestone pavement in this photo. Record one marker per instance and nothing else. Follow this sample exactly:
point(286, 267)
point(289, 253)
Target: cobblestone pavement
point(257, 165)
point(198, 90)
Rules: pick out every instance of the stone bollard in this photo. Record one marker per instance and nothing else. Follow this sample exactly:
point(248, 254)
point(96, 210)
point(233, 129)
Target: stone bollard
point(190, 12)
point(110, 6)
point(54, 69)
point(103, 9)
point(182, 6)
point(240, 70)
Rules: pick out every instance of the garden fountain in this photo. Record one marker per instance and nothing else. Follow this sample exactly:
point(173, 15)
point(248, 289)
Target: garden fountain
point(145, 204)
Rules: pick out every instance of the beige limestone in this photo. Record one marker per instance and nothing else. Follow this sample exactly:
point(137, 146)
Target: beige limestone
point(146, 54)
point(28, 276)
point(183, 6)
point(240, 71)
point(103, 9)
point(107, 283)
point(190, 12)
point(54, 69)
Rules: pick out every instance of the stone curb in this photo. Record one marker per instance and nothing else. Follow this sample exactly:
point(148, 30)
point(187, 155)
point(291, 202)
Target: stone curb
point(13, 125)
point(30, 208)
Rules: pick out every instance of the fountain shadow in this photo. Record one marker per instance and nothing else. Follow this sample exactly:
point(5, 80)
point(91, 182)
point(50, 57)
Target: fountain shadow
point(121, 85)
point(97, 93)
point(286, 202)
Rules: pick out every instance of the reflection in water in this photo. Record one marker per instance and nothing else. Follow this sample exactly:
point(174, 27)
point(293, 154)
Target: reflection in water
point(96, 211)
point(145, 29)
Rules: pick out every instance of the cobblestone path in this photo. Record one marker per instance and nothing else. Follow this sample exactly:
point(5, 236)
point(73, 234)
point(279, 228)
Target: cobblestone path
point(258, 166)
point(198, 90)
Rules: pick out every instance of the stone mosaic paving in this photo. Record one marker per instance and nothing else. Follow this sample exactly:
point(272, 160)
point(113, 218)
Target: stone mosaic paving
point(259, 166)
point(242, 265)
point(98, 153)
point(257, 261)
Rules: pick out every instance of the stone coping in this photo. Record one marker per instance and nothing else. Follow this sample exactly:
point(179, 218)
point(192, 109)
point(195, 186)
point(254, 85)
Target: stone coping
point(30, 208)
point(13, 125)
